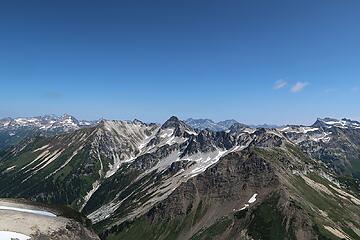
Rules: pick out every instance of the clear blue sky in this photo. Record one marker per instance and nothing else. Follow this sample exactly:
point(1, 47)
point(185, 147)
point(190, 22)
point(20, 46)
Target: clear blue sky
point(255, 61)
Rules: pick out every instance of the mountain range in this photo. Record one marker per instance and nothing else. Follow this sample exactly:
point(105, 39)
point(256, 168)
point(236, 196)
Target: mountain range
point(202, 124)
point(14, 130)
point(193, 179)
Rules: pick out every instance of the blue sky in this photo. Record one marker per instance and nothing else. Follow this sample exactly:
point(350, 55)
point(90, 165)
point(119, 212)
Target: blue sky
point(255, 61)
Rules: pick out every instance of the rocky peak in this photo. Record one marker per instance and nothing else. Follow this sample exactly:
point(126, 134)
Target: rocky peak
point(66, 118)
point(180, 128)
point(332, 122)
point(172, 122)
point(137, 121)
point(319, 123)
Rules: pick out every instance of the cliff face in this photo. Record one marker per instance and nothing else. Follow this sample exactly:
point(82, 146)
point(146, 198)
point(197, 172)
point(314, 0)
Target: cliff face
point(221, 190)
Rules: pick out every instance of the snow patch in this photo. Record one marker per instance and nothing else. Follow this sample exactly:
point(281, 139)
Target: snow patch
point(249, 130)
point(346, 195)
point(191, 132)
point(66, 162)
point(317, 186)
point(37, 212)
point(253, 198)
point(10, 168)
point(41, 148)
point(7, 235)
point(167, 133)
point(337, 232)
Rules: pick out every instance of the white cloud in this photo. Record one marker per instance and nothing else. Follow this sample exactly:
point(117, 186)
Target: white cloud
point(279, 84)
point(298, 86)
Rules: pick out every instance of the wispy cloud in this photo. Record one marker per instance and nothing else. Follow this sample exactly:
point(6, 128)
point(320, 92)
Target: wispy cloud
point(299, 86)
point(279, 84)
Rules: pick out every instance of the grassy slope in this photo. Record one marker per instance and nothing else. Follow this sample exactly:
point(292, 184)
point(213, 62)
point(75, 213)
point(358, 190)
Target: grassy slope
point(67, 186)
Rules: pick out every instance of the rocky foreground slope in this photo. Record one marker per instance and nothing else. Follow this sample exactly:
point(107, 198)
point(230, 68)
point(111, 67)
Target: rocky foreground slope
point(145, 181)
point(24, 220)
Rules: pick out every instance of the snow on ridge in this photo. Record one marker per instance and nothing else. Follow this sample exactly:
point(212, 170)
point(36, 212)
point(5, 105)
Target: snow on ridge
point(301, 129)
point(324, 137)
point(332, 122)
point(308, 129)
point(303, 133)
point(191, 132)
point(41, 148)
point(249, 130)
point(343, 123)
point(165, 133)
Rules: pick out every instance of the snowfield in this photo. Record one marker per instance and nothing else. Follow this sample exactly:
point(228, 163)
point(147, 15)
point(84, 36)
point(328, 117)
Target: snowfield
point(38, 212)
point(7, 235)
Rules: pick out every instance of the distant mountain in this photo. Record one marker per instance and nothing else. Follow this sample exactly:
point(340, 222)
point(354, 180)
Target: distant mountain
point(227, 123)
point(335, 142)
point(222, 125)
point(62, 123)
point(202, 124)
point(331, 122)
point(14, 130)
point(265, 126)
